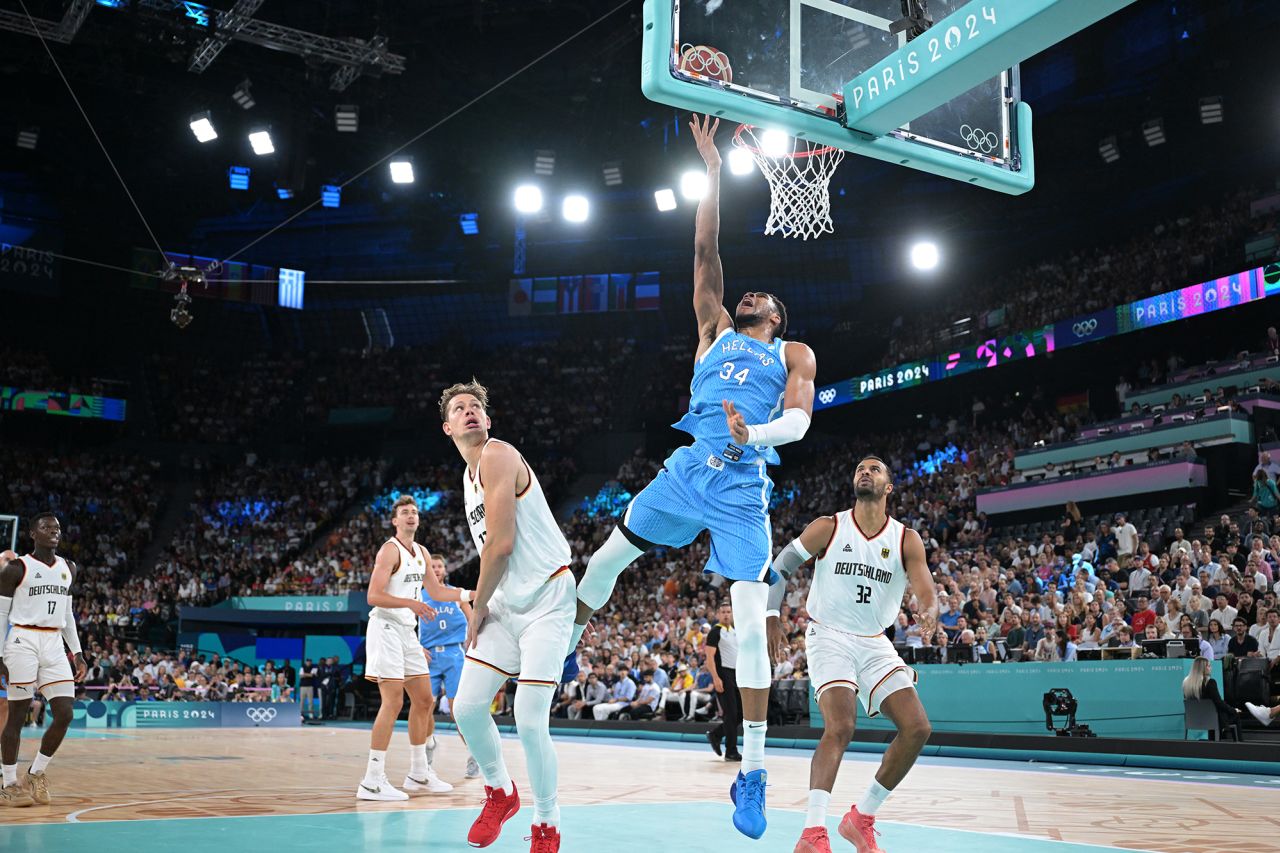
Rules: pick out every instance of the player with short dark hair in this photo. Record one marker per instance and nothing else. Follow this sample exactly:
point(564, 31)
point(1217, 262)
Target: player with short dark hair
point(36, 614)
point(442, 637)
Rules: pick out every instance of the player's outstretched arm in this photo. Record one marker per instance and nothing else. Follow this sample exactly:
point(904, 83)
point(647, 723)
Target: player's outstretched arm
point(708, 274)
point(440, 592)
point(917, 565)
point(387, 561)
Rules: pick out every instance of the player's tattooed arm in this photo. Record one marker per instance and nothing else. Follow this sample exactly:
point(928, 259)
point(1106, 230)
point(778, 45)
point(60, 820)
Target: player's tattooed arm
point(922, 586)
point(708, 273)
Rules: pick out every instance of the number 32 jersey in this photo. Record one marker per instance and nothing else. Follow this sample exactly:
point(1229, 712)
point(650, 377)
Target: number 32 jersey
point(747, 373)
point(859, 580)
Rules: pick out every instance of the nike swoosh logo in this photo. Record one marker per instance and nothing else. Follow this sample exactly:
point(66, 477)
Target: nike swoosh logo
point(372, 790)
point(756, 727)
point(419, 781)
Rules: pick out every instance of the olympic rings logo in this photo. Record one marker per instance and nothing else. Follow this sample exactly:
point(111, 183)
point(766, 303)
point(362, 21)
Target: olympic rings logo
point(980, 140)
point(260, 715)
point(1085, 328)
point(827, 395)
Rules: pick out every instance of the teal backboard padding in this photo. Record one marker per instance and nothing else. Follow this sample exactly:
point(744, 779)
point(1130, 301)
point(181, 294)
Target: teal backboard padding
point(1118, 698)
point(960, 51)
point(1014, 176)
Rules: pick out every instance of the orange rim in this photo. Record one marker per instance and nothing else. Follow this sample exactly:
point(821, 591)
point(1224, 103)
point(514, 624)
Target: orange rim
point(794, 155)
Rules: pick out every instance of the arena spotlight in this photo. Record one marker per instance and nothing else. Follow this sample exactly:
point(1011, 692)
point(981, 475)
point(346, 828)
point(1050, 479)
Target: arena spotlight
point(402, 171)
point(261, 142)
point(612, 172)
point(665, 199)
point(238, 177)
point(693, 185)
point(346, 118)
point(243, 96)
point(575, 208)
point(924, 256)
point(469, 223)
point(1153, 132)
point(741, 161)
point(774, 143)
point(1109, 149)
point(1211, 110)
point(28, 138)
point(331, 195)
point(528, 198)
point(284, 193)
point(202, 127)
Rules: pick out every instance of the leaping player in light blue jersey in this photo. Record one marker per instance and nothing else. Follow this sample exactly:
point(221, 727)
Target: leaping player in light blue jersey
point(442, 638)
point(751, 392)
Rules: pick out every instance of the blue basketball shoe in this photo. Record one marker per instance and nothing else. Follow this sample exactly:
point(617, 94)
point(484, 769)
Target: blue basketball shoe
point(747, 793)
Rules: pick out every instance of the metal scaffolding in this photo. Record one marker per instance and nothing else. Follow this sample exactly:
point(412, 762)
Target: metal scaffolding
point(353, 56)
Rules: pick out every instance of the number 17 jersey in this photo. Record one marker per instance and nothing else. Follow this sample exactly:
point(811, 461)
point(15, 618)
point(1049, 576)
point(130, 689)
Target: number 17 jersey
point(859, 580)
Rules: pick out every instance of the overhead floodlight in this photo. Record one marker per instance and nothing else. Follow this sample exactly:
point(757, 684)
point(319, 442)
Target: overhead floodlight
point(261, 142)
point(331, 195)
point(665, 199)
point(346, 118)
point(774, 143)
point(924, 256)
point(238, 177)
point(1153, 132)
point(202, 127)
point(576, 208)
point(1211, 110)
point(1109, 150)
point(28, 138)
point(693, 185)
point(528, 198)
point(243, 96)
point(741, 162)
point(469, 223)
point(402, 171)
point(284, 193)
point(544, 162)
point(612, 172)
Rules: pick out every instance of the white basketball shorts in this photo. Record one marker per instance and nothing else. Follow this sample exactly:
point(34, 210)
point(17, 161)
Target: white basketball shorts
point(868, 665)
point(392, 651)
point(530, 643)
point(37, 661)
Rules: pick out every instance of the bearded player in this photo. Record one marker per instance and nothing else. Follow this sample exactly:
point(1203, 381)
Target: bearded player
point(35, 611)
point(864, 563)
point(751, 392)
point(521, 618)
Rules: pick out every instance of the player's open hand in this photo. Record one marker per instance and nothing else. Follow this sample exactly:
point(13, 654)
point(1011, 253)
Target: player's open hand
point(704, 134)
point(777, 641)
point(478, 614)
point(426, 654)
point(421, 609)
point(737, 425)
point(82, 668)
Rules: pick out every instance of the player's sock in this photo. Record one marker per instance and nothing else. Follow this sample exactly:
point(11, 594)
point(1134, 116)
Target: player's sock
point(431, 743)
point(532, 712)
point(417, 760)
point(819, 800)
point(753, 734)
point(873, 799)
point(377, 767)
point(10, 774)
point(576, 637)
point(40, 762)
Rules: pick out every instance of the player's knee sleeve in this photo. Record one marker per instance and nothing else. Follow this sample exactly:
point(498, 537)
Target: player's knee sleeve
point(603, 569)
point(750, 600)
point(532, 712)
point(475, 693)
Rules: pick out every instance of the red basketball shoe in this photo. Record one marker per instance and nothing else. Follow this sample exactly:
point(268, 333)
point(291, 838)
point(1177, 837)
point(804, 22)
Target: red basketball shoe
point(813, 840)
point(860, 830)
point(498, 809)
point(546, 839)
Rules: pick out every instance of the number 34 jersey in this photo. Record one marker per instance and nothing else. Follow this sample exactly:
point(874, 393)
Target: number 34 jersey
point(859, 579)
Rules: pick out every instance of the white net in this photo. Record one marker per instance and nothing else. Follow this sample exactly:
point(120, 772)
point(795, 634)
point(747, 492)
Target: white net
point(799, 175)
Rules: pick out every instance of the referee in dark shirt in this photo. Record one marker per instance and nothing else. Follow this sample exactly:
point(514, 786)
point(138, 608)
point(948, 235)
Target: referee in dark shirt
point(721, 649)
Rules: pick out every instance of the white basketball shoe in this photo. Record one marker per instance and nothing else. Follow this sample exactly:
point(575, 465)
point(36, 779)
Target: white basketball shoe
point(429, 783)
point(380, 790)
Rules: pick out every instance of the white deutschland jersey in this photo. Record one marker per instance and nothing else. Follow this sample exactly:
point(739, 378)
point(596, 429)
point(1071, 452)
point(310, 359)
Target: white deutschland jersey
point(858, 582)
point(44, 594)
point(405, 582)
point(540, 548)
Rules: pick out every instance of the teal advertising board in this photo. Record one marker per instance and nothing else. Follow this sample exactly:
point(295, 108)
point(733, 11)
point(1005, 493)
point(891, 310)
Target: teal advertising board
point(185, 715)
point(1132, 698)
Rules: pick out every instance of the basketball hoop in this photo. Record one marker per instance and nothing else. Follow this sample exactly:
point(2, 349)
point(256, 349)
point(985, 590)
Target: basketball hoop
point(799, 175)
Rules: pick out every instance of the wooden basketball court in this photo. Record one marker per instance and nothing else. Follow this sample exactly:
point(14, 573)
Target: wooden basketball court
point(191, 790)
